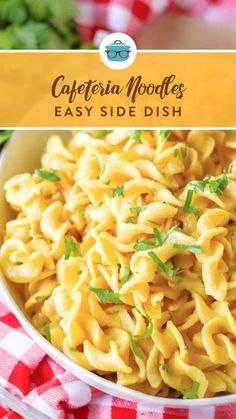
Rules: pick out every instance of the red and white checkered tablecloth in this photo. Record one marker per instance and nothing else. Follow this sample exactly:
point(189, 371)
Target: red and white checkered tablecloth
point(27, 372)
point(129, 16)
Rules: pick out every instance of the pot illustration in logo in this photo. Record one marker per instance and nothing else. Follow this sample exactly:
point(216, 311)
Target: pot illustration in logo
point(118, 51)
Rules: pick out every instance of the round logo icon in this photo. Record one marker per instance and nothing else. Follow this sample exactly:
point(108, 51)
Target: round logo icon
point(118, 51)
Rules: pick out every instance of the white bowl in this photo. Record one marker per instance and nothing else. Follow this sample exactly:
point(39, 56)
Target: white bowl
point(22, 154)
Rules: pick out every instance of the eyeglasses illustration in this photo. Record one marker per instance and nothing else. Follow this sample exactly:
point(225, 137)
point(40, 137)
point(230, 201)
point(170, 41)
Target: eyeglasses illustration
point(118, 51)
point(122, 54)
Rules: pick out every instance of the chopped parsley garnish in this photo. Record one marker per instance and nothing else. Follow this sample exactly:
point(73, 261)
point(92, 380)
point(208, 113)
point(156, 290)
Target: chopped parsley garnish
point(135, 349)
point(216, 186)
point(187, 207)
point(118, 191)
point(129, 221)
point(47, 332)
point(40, 297)
point(193, 393)
point(136, 135)
point(70, 247)
point(73, 349)
point(189, 248)
point(164, 134)
point(182, 153)
point(125, 275)
point(79, 272)
point(48, 174)
point(103, 133)
point(164, 367)
point(101, 171)
point(232, 268)
point(137, 210)
point(148, 331)
point(106, 296)
point(158, 240)
point(164, 267)
point(5, 135)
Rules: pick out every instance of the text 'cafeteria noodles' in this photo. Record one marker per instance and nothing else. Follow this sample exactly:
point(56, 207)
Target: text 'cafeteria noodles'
point(134, 88)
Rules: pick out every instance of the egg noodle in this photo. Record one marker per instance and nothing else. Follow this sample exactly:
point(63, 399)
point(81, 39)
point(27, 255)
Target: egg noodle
point(123, 247)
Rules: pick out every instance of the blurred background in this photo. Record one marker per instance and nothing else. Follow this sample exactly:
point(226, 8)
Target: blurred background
point(157, 24)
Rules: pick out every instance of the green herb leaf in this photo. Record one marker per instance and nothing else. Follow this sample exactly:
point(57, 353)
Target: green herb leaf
point(136, 135)
point(118, 191)
point(187, 205)
point(79, 272)
point(164, 267)
point(232, 268)
point(47, 332)
point(137, 210)
point(218, 186)
point(193, 393)
point(189, 248)
point(5, 135)
point(125, 275)
point(73, 349)
point(106, 296)
point(148, 330)
point(70, 247)
point(40, 297)
point(101, 171)
point(135, 349)
point(129, 221)
point(165, 368)
point(164, 134)
point(103, 133)
point(158, 240)
point(47, 174)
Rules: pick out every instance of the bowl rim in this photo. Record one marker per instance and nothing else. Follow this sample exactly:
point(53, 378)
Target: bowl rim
point(89, 377)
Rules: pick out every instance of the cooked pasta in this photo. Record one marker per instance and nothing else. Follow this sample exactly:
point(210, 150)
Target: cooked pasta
point(123, 247)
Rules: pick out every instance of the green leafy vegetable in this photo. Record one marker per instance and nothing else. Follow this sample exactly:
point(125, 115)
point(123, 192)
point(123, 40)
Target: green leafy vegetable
point(232, 268)
point(5, 135)
point(164, 267)
point(136, 135)
point(47, 332)
point(73, 349)
point(106, 296)
point(125, 275)
point(43, 24)
point(70, 247)
point(164, 134)
point(135, 349)
point(88, 45)
point(189, 248)
point(137, 210)
point(193, 393)
point(47, 174)
point(118, 191)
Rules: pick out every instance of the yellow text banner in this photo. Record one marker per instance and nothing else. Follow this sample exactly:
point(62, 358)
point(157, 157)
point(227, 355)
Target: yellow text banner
point(76, 89)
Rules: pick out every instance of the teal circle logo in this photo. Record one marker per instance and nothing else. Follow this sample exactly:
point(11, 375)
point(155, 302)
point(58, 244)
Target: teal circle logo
point(118, 51)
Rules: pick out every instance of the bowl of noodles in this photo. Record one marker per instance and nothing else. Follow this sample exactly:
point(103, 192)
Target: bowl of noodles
point(118, 257)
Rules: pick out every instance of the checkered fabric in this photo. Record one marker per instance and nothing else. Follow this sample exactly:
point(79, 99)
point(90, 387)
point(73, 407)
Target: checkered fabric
point(130, 15)
point(27, 372)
